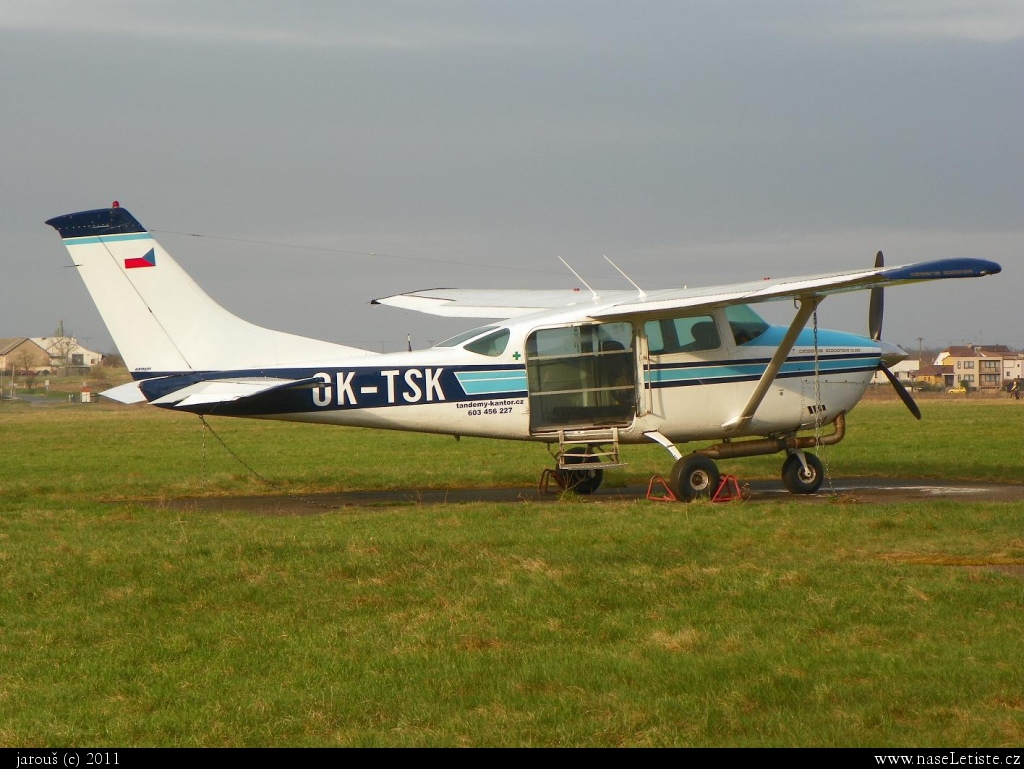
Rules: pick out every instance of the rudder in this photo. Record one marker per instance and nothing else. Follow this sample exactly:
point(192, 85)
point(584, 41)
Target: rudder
point(159, 318)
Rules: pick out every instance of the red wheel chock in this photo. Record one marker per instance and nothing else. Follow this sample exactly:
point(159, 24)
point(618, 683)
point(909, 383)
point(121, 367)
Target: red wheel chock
point(668, 496)
point(545, 479)
point(728, 490)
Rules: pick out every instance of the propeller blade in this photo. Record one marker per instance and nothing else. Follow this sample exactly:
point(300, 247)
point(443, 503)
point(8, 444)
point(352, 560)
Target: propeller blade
point(876, 306)
point(901, 391)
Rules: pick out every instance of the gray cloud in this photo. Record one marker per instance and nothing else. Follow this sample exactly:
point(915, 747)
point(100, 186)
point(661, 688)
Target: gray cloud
point(693, 142)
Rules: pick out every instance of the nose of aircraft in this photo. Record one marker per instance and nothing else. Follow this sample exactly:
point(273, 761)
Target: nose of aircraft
point(891, 354)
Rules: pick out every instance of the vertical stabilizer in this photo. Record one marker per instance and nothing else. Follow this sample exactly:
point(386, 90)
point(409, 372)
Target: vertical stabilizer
point(159, 318)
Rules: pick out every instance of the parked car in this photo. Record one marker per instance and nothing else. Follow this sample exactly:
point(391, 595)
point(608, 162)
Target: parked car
point(958, 391)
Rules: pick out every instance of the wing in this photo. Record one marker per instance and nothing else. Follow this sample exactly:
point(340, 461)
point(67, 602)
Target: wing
point(491, 303)
point(483, 303)
point(776, 289)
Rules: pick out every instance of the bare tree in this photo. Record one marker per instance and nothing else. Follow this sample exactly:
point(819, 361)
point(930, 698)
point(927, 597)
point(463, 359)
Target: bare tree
point(62, 347)
point(112, 360)
point(25, 362)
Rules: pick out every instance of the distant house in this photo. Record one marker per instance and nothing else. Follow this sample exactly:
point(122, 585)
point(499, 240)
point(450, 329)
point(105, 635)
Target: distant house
point(980, 367)
point(904, 371)
point(931, 376)
point(66, 351)
point(1013, 367)
point(22, 354)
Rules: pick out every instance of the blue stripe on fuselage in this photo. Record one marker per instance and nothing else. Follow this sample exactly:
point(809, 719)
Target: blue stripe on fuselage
point(356, 387)
point(685, 374)
point(492, 381)
point(838, 352)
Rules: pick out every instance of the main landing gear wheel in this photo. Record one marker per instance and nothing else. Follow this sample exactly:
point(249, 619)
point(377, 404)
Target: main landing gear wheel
point(798, 480)
point(580, 481)
point(693, 477)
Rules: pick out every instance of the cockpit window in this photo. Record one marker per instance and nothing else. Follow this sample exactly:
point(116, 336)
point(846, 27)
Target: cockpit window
point(746, 324)
point(491, 345)
point(458, 339)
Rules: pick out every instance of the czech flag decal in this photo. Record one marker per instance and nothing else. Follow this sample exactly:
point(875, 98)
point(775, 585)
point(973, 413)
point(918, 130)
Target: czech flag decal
point(148, 260)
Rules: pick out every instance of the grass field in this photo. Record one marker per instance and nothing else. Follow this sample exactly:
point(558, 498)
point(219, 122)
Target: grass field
point(575, 624)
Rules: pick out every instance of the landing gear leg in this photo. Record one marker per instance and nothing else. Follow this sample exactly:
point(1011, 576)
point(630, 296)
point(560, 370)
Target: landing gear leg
point(694, 477)
point(802, 473)
point(581, 481)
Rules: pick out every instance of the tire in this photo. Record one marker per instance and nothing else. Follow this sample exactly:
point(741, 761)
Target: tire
point(695, 477)
point(580, 481)
point(800, 481)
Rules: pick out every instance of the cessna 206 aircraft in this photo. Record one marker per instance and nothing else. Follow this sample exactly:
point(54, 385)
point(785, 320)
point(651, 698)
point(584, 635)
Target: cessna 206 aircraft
point(581, 372)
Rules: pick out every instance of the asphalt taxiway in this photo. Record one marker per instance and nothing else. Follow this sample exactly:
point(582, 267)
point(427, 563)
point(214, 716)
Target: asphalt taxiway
point(846, 490)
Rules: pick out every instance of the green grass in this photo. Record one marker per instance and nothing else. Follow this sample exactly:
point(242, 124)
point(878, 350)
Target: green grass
point(112, 452)
point(576, 624)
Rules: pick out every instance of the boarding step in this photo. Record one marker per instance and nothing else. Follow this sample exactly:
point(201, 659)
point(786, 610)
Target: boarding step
point(594, 447)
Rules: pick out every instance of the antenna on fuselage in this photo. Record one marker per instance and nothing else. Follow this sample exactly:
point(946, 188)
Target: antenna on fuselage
point(640, 292)
point(592, 291)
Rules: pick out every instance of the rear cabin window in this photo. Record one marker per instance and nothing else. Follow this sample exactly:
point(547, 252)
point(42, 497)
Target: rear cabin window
point(464, 336)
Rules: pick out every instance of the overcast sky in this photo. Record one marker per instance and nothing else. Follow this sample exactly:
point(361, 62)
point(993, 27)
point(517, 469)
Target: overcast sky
point(469, 144)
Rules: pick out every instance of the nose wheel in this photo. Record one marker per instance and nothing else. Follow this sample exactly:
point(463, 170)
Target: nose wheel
point(799, 479)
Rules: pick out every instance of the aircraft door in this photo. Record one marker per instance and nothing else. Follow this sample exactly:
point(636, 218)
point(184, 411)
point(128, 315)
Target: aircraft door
point(582, 376)
point(679, 351)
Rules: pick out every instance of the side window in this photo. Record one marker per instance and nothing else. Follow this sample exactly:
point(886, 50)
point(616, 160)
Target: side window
point(672, 335)
point(491, 345)
point(460, 338)
point(655, 341)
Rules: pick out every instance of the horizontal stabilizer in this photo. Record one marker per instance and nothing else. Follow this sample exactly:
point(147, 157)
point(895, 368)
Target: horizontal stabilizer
point(126, 393)
point(225, 390)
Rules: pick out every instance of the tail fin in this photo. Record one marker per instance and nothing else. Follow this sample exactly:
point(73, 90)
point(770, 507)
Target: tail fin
point(159, 318)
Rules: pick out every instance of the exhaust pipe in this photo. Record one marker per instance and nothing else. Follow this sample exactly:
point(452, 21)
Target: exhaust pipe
point(759, 446)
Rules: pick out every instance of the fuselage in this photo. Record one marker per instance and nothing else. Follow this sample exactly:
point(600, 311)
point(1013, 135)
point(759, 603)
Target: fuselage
point(585, 372)
point(683, 376)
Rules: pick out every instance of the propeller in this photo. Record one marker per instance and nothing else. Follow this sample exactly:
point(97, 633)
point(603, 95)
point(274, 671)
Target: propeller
point(901, 391)
point(876, 309)
point(877, 305)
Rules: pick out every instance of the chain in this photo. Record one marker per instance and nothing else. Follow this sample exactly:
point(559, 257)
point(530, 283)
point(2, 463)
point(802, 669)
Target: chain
point(818, 410)
point(253, 472)
point(203, 483)
point(817, 382)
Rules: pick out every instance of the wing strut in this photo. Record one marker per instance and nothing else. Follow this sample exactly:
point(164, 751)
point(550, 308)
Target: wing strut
point(808, 305)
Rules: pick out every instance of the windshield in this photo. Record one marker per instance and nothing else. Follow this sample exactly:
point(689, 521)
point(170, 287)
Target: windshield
point(746, 324)
point(458, 339)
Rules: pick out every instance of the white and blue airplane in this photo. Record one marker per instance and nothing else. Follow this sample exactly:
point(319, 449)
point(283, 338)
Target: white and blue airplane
point(581, 371)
